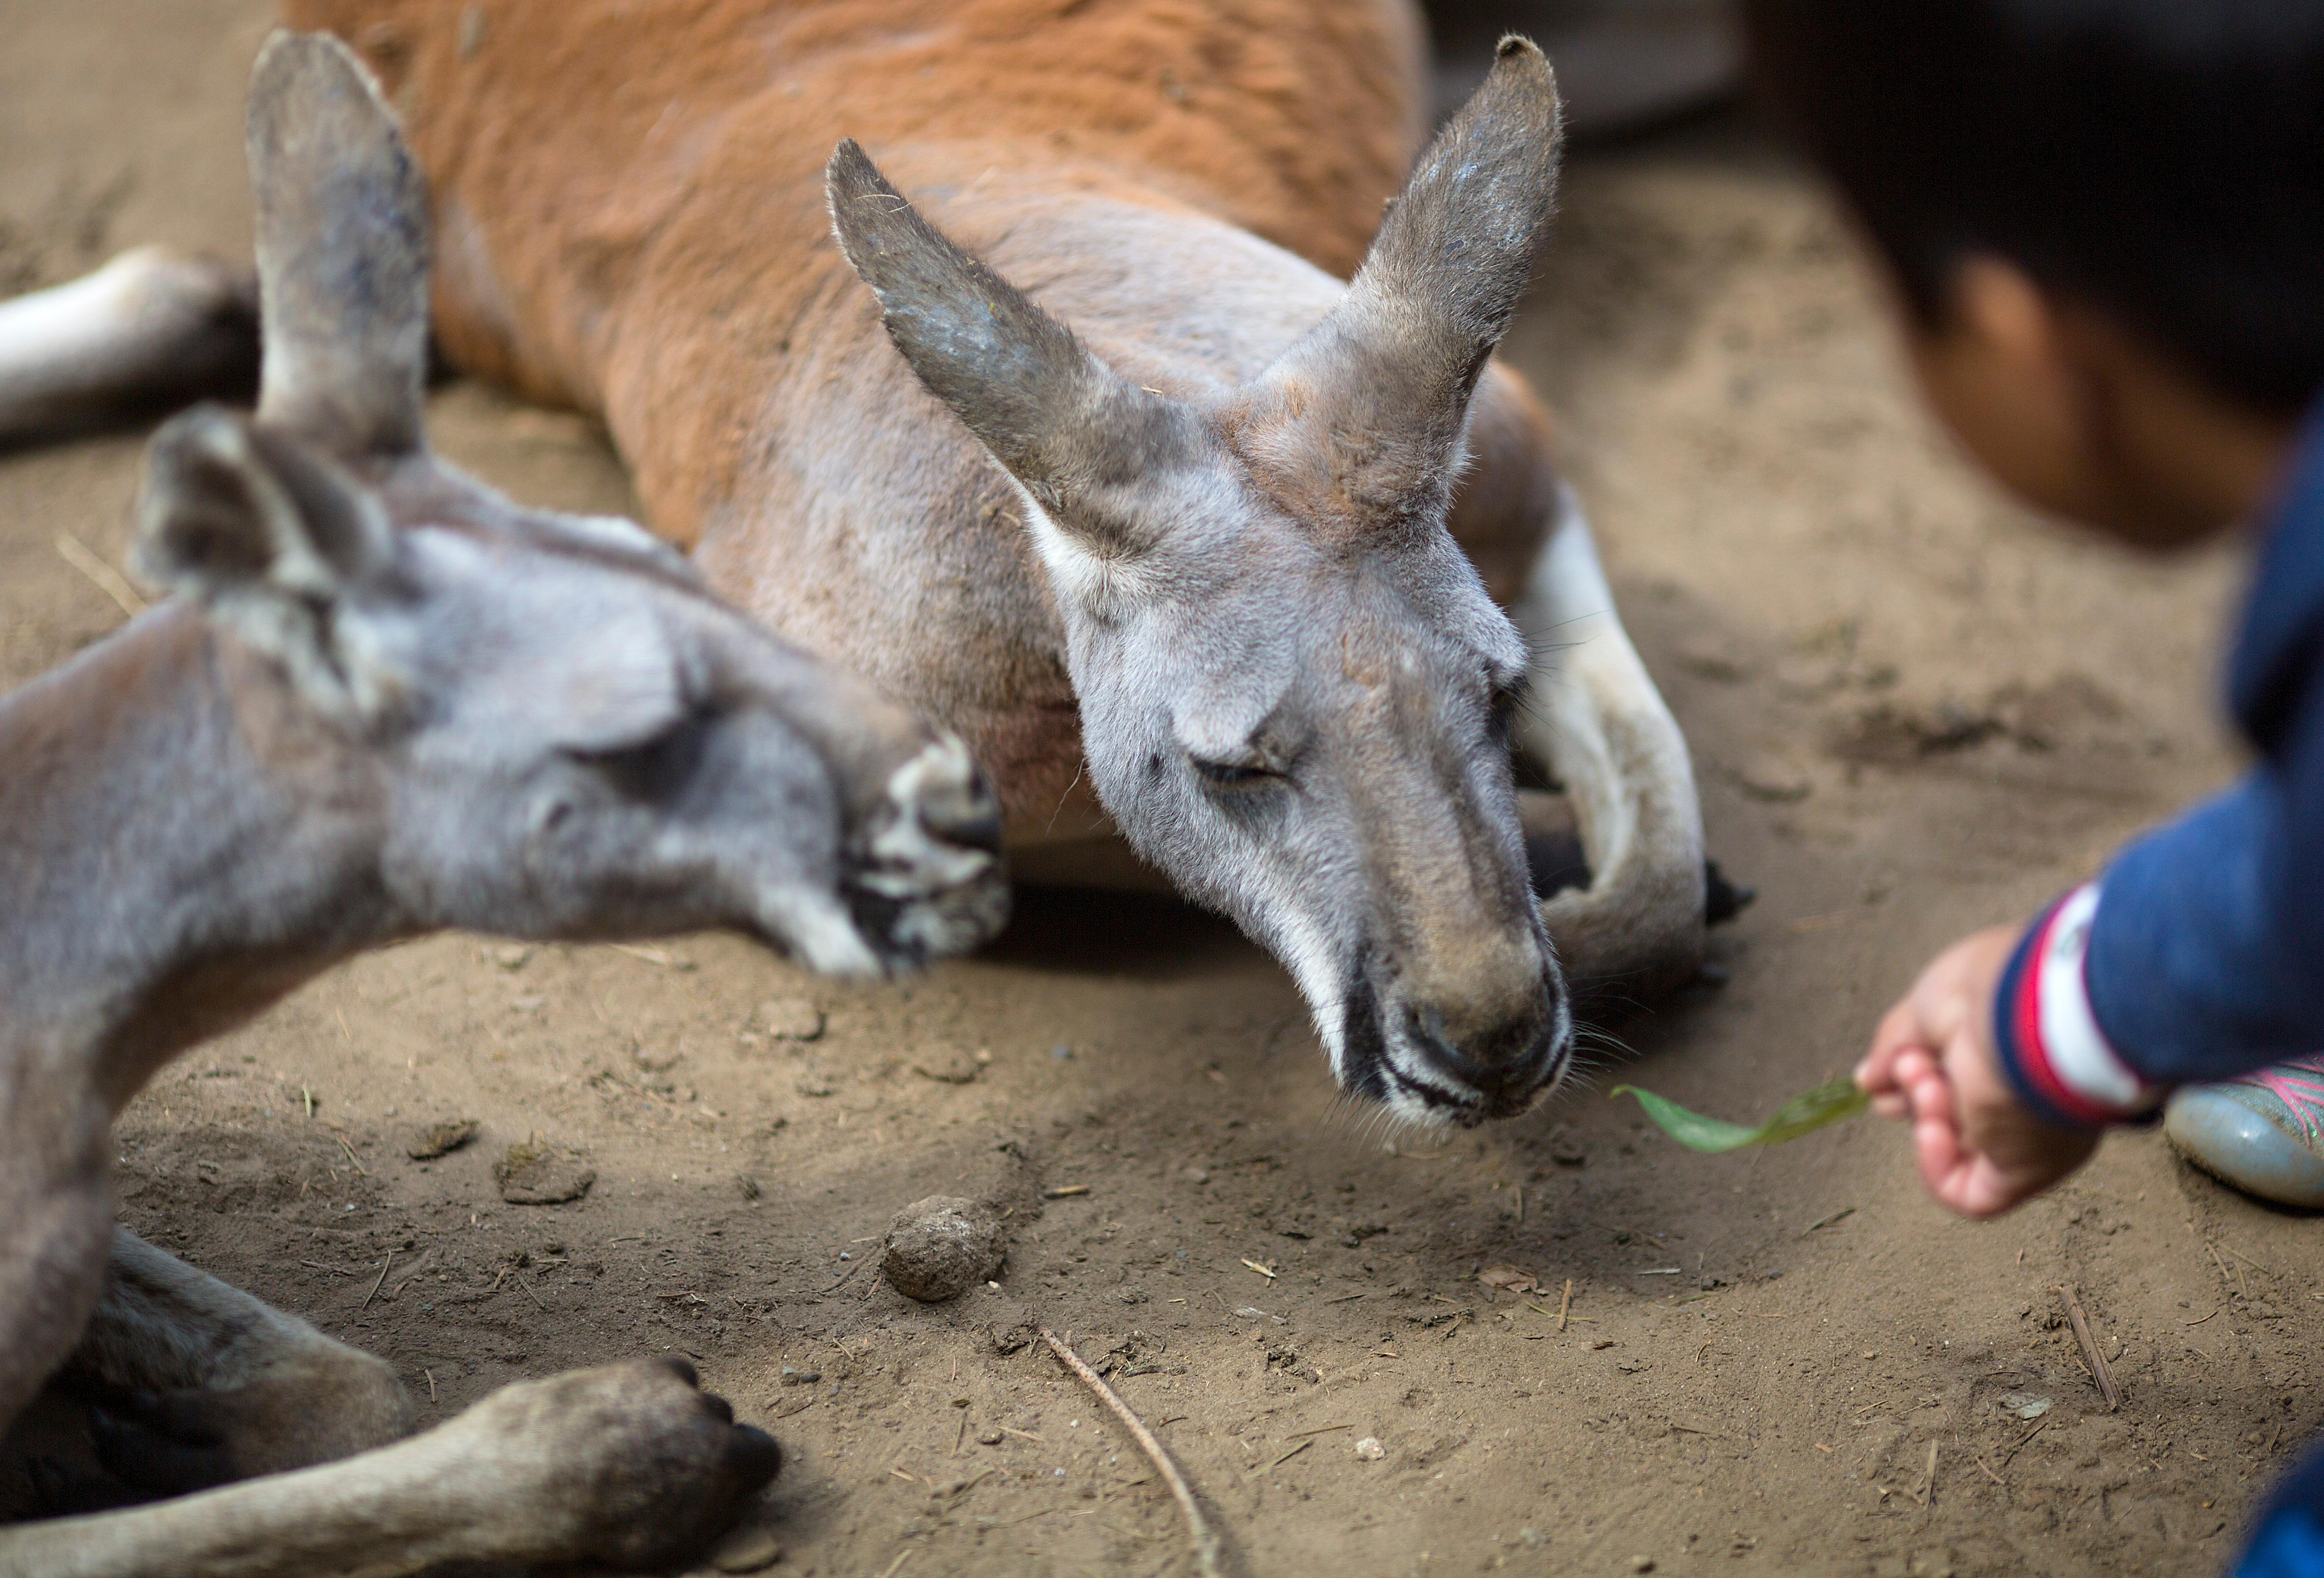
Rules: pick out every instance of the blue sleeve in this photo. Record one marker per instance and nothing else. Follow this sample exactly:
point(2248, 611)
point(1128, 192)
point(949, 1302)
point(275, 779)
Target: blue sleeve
point(2207, 955)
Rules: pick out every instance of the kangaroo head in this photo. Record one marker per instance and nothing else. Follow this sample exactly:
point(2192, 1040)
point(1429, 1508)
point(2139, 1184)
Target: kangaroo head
point(1295, 692)
point(563, 733)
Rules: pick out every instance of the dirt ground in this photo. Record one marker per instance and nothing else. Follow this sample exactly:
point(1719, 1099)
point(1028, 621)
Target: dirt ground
point(1915, 712)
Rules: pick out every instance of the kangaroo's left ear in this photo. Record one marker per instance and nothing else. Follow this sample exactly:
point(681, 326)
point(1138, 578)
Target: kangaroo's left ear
point(273, 539)
point(1386, 378)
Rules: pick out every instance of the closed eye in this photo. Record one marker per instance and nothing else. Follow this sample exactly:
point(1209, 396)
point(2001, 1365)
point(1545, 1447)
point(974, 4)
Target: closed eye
point(1507, 701)
point(1232, 774)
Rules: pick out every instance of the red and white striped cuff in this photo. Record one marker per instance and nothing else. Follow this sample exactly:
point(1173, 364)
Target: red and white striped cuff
point(2052, 1033)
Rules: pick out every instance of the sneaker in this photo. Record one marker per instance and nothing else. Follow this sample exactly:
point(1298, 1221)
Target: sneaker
point(2263, 1133)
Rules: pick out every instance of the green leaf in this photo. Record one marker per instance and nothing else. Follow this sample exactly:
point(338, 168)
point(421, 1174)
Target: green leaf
point(1827, 1103)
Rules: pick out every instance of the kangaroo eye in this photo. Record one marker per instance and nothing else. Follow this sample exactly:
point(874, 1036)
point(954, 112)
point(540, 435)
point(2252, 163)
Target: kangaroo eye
point(1231, 774)
point(1508, 700)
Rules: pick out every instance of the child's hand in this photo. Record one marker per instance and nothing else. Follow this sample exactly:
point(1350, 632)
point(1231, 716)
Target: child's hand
point(1932, 1060)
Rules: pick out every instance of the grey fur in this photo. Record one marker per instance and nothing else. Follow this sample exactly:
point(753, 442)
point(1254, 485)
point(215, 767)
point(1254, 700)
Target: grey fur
point(1293, 686)
point(387, 701)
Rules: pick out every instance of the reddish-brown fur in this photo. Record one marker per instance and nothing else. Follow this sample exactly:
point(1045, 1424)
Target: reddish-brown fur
point(646, 180)
point(631, 221)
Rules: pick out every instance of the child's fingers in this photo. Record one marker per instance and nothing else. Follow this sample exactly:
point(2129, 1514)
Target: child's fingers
point(1936, 1147)
point(1898, 1032)
point(1975, 1188)
point(1936, 1125)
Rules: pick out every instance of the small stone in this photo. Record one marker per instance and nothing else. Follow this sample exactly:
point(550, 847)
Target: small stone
point(1642, 1564)
point(440, 1138)
point(1370, 1450)
point(810, 1086)
point(532, 1174)
point(1710, 660)
point(1772, 778)
point(939, 1248)
point(988, 1439)
point(512, 957)
point(1061, 1052)
point(746, 1549)
point(800, 1377)
point(1530, 1538)
point(948, 1066)
point(791, 1018)
point(2027, 1404)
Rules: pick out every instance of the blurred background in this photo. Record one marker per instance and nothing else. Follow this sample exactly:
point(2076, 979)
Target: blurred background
point(1625, 66)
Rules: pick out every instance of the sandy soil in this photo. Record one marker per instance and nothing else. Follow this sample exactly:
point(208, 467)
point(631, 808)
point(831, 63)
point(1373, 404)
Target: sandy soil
point(1915, 712)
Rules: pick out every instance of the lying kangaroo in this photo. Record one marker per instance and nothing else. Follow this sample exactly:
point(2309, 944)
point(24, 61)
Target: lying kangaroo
point(1196, 568)
point(389, 701)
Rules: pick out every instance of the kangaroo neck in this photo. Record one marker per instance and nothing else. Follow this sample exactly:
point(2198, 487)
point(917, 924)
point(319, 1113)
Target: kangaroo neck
point(179, 846)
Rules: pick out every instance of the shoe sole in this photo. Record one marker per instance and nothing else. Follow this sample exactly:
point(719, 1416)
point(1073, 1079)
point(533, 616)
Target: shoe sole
point(2244, 1147)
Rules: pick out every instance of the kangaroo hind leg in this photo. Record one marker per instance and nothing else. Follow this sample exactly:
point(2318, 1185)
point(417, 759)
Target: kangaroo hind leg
point(1597, 724)
point(192, 1382)
point(151, 331)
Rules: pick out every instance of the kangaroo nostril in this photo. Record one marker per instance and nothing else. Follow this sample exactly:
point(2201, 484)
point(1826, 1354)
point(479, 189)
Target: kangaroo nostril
point(1510, 1058)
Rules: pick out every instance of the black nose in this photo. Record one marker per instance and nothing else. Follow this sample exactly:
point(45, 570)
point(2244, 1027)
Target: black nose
point(1505, 1065)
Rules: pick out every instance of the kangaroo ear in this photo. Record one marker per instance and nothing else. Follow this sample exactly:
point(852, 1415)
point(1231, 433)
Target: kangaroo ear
point(272, 539)
point(1069, 428)
point(1390, 371)
point(342, 251)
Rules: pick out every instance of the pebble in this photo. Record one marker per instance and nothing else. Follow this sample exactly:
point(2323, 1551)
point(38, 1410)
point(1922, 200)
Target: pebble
point(1642, 1564)
point(792, 1018)
point(988, 1439)
point(440, 1138)
point(1775, 779)
point(950, 1066)
point(1370, 1450)
point(530, 1173)
point(746, 1550)
point(939, 1248)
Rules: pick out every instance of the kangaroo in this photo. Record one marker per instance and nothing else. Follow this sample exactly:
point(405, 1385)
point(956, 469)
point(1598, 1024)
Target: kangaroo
point(1196, 544)
point(385, 701)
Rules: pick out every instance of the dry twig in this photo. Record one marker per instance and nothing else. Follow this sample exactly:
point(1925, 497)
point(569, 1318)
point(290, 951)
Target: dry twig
point(2095, 1360)
point(101, 575)
point(1198, 1528)
point(1565, 1304)
point(375, 1286)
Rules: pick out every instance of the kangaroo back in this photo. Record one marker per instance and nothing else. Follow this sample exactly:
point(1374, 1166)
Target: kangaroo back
point(590, 160)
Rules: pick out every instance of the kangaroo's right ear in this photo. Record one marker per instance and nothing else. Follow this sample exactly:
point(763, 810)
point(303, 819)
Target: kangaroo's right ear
point(342, 251)
point(1065, 426)
point(274, 541)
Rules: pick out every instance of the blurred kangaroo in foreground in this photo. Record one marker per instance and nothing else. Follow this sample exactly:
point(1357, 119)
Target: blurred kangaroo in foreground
point(1186, 535)
point(387, 701)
